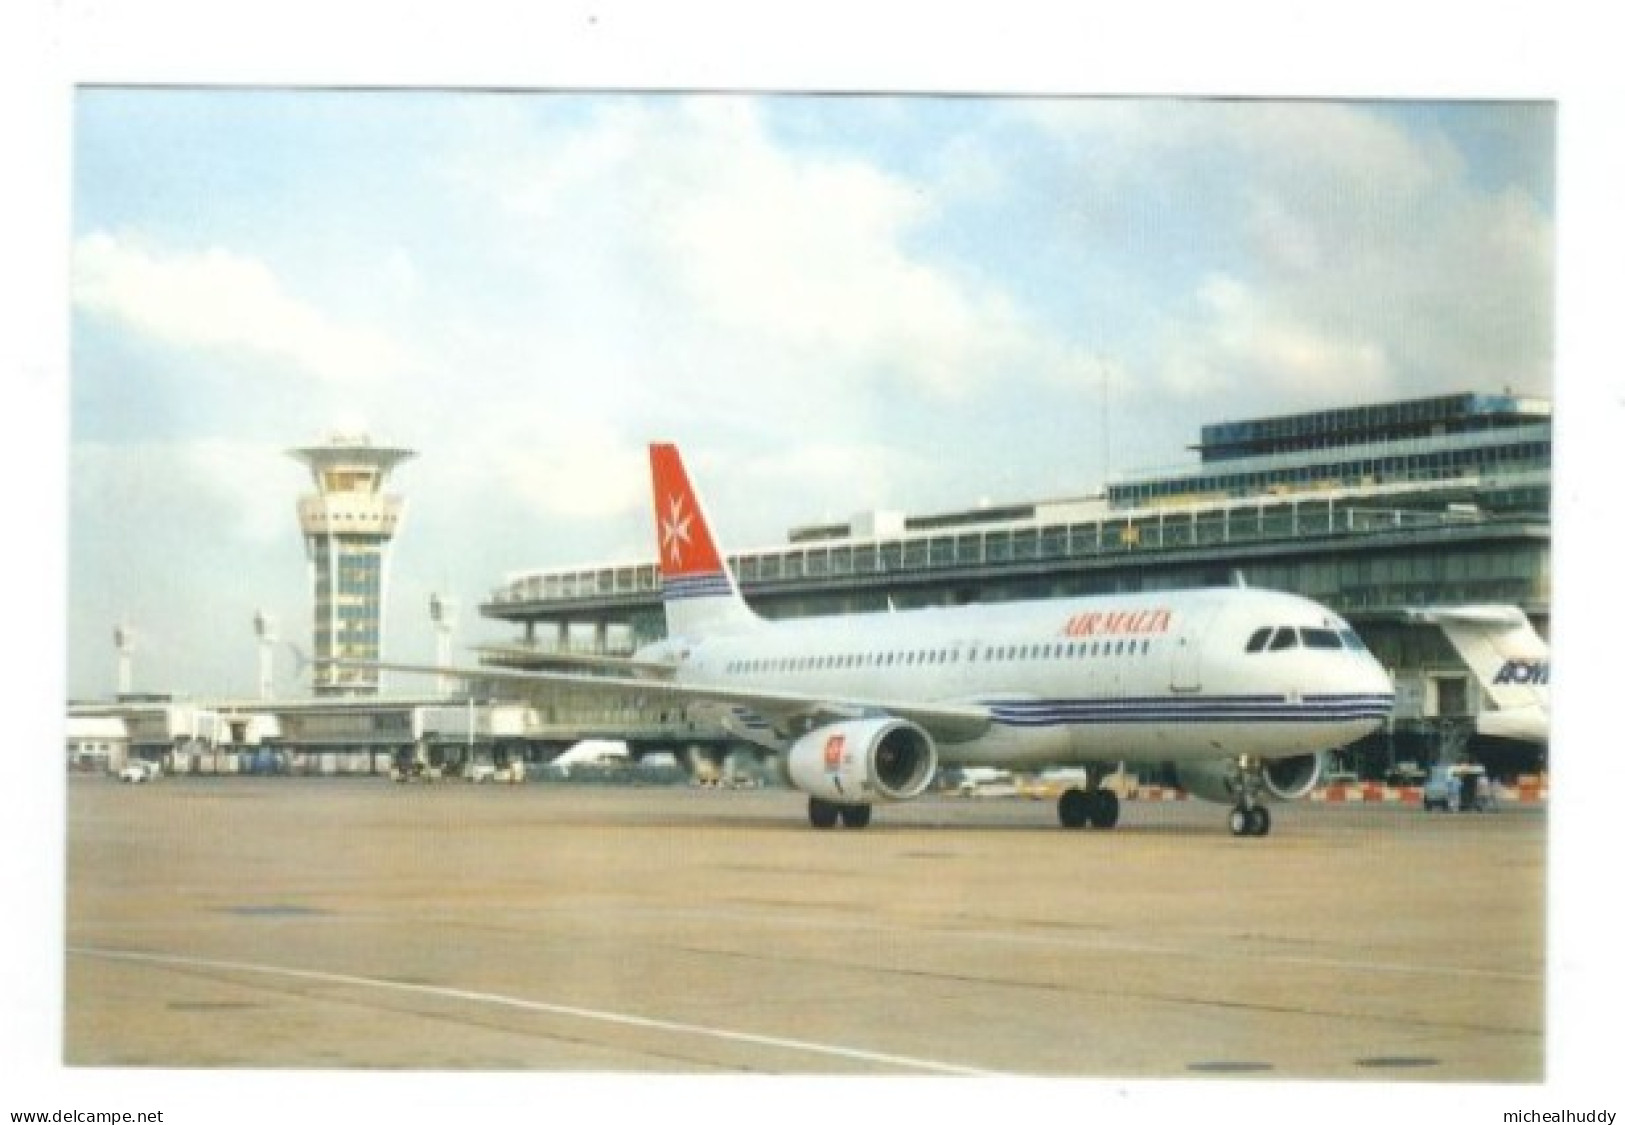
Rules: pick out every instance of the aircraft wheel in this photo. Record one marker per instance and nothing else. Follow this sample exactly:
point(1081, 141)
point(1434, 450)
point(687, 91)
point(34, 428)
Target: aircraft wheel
point(1074, 808)
point(1240, 822)
point(822, 813)
point(856, 816)
point(1106, 809)
point(1260, 821)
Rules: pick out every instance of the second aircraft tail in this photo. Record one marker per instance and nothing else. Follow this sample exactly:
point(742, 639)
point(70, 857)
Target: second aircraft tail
point(1506, 655)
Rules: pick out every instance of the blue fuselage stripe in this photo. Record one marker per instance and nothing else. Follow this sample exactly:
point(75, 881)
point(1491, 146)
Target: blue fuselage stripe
point(1221, 709)
point(696, 586)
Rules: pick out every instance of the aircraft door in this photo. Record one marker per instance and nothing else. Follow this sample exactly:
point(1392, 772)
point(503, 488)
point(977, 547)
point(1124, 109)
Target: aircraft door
point(1189, 638)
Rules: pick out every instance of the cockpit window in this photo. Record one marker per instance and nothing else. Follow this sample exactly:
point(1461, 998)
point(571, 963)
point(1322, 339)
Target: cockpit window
point(1258, 640)
point(1352, 640)
point(1320, 638)
point(1284, 639)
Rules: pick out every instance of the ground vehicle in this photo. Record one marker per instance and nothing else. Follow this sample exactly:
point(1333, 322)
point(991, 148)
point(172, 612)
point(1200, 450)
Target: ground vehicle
point(136, 772)
point(1407, 773)
point(1463, 787)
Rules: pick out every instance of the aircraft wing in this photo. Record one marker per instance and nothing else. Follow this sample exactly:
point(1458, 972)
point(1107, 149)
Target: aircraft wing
point(788, 712)
point(522, 657)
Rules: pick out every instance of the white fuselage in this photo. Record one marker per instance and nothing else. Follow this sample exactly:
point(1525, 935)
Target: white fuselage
point(1165, 676)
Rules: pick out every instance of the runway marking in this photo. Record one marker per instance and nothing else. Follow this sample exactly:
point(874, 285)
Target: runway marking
point(497, 1000)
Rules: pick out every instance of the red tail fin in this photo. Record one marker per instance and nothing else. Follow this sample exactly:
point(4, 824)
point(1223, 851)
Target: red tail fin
point(698, 589)
point(687, 548)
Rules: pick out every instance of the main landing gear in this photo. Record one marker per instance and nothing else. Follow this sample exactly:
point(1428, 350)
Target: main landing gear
point(1249, 817)
point(1088, 808)
point(824, 814)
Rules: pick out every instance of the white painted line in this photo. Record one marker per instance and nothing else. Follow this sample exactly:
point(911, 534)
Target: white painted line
point(498, 1000)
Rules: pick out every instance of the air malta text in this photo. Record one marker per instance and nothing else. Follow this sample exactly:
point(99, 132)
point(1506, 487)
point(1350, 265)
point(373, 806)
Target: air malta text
point(1120, 623)
point(1524, 672)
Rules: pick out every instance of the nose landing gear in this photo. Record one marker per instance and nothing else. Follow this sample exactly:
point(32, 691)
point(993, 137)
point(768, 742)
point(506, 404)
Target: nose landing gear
point(1249, 817)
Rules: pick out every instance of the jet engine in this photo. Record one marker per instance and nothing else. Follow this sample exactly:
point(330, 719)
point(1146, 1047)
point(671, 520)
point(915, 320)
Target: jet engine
point(863, 761)
point(1285, 779)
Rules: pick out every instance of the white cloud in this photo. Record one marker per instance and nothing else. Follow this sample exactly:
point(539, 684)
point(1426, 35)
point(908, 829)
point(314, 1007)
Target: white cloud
point(713, 254)
point(224, 302)
point(1242, 335)
point(208, 490)
point(581, 470)
point(1333, 251)
point(185, 541)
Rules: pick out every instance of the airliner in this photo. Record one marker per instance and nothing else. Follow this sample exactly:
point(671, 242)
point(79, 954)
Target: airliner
point(1241, 689)
point(1510, 661)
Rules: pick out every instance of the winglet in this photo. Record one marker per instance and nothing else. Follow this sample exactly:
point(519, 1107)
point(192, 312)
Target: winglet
point(700, 593)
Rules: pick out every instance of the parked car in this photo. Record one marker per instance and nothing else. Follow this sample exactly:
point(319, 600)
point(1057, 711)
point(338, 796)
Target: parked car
point(136, 772)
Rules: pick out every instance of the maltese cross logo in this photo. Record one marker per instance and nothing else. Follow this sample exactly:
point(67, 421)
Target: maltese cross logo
point(674, 531)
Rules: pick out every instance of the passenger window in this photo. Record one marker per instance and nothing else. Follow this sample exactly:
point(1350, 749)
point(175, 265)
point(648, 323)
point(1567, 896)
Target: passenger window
point(1258, 640)
point(1284, 639)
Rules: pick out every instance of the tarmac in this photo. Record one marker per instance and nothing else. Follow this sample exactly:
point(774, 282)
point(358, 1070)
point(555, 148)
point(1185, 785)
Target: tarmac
point(359, 924)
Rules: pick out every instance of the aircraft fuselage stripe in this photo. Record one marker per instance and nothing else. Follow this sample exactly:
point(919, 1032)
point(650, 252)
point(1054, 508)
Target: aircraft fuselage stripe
point(1233, 709)
point(696, 586)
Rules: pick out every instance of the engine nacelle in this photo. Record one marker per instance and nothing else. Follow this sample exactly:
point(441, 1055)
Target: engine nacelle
point(863, 761)
point(1285, 779)
point(1291, 779)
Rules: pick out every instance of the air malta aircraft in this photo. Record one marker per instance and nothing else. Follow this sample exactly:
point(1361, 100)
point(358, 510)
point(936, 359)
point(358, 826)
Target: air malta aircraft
point(1241, 689)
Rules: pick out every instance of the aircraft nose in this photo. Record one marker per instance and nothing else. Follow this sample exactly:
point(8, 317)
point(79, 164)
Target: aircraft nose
point(1377, 682)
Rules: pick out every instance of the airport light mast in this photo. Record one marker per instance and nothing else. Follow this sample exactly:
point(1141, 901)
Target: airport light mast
point(443, 612)
point(124, 645)
point(265, 631)
point(348, 523)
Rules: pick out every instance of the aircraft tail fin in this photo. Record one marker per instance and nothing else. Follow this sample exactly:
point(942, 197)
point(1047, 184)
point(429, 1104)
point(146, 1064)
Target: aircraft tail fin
point(698, 589)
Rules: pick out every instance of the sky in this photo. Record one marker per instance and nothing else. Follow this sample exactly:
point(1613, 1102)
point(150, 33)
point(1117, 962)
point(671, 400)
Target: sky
point(833, 303)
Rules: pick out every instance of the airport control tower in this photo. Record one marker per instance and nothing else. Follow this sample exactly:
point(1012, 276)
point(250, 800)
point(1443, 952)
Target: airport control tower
point(348, 523)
